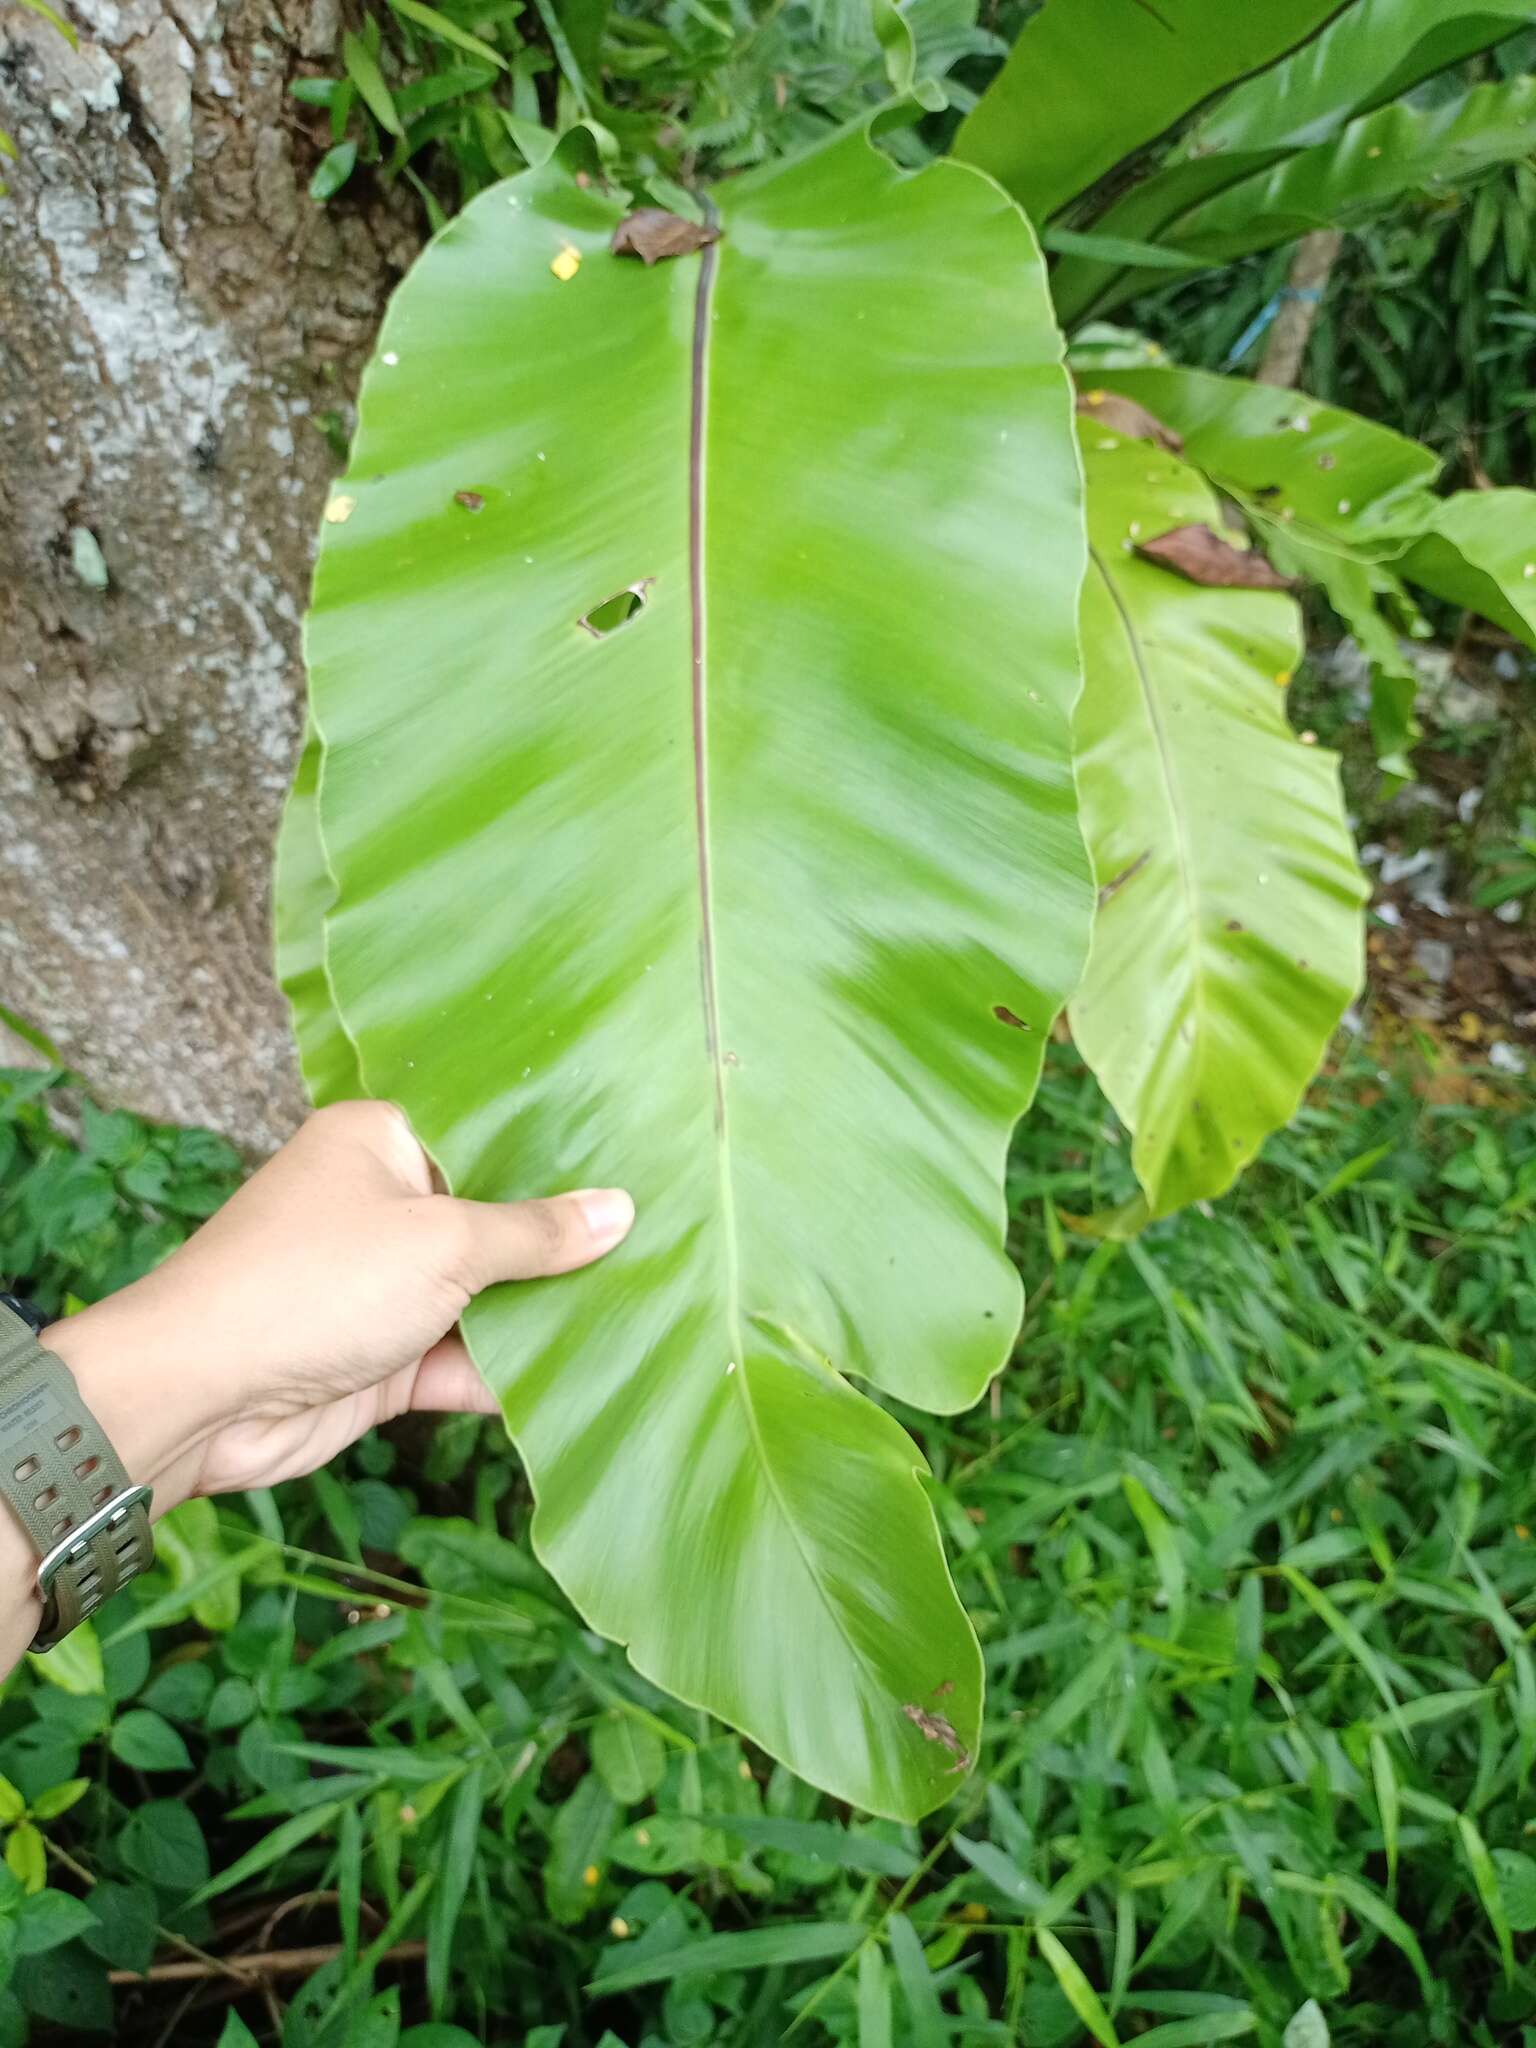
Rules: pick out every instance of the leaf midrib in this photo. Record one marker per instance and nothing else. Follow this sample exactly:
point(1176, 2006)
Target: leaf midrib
point(709, 261)
point(698, 498)
point(1174, 791)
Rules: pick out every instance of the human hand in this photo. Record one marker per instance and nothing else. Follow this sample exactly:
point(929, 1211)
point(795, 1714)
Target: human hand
point(321, 1300)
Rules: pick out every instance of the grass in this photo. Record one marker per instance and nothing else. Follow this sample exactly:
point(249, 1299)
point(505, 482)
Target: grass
point(1244, 1531)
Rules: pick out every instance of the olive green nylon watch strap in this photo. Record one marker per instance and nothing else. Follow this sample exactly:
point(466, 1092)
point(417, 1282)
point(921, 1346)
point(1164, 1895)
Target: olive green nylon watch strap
point(64, 1483)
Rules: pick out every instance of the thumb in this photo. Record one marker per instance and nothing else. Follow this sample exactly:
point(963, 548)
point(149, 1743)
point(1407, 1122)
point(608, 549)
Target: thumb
point(554, 1234)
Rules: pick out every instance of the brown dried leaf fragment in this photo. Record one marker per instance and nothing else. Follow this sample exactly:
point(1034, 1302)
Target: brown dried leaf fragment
point(653, 235)
point(1004, 1015)
point(935, 1728)
point(1125, 416)
point(1201, 555)
point(472, 501)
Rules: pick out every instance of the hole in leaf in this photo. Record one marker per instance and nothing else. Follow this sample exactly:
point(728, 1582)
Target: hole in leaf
point(616, 611)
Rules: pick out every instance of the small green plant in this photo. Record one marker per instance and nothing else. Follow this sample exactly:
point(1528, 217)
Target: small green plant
point(1508, 872)
point(91, 1198)
point(453, 98)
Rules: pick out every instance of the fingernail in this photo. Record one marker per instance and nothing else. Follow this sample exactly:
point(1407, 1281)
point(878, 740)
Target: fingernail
point(607, 1213)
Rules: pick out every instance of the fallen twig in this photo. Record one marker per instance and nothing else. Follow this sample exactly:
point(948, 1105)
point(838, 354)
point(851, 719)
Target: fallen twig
point(276, 1962)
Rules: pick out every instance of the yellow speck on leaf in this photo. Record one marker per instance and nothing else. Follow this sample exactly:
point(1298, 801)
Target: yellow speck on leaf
point(973, 1911)
point(567, 263)
point(744, 1769)
point(618, 1928)
point(339, 511)
point(1522, 1532)
point(408, 1815)
point(643, 1837)
point(591, 1874)
point(1282, 678)
point(1094, 397)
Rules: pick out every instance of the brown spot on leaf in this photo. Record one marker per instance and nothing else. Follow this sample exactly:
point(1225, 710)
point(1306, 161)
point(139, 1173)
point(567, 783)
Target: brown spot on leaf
point(945, 1685)
point(1325, 460)
point(1202, 556)
point(1125, 416)
point(1234, 924)
point(653, 235)
point(1004, 1015)
point(934, 1728)
point(470, 500)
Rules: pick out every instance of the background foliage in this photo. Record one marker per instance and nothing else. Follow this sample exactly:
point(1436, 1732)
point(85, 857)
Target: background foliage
point(1243, 1536)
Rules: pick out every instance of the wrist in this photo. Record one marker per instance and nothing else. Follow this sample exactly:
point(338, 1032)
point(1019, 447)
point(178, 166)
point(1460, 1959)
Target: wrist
point(154, 1405)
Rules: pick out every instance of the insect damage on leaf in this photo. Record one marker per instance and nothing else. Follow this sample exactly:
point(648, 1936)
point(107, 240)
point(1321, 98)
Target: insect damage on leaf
point(653, 235)
point(618, 610)
point(1125, 416)
point(1201, 555)
point(935, 1728)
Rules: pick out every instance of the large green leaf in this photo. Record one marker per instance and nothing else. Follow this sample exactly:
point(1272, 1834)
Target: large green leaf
point(1228, 938)
point(1367, 54)
point(1330, 496)
point(759, 905)
point(1088, 81)
point(1479, 550)
point(1370, 165)
point(1314, 467)
point(1348, 503)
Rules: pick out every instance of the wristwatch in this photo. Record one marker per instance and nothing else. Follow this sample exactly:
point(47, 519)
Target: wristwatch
point(63, 1481)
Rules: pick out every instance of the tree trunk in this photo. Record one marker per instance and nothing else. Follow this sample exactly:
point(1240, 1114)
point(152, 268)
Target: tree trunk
point(1315, 257)
point(180, 327)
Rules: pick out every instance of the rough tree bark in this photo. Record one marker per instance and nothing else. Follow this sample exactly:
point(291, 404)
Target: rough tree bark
point(176, 321)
